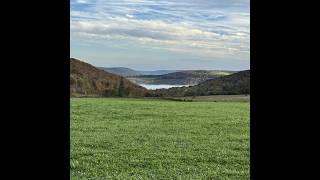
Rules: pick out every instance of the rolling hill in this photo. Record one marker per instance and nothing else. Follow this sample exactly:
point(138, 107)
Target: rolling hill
point(87, 80)
point(126, 72)
point(157, 72)
point(237, 83)
point(189, 77)
point(121, 71)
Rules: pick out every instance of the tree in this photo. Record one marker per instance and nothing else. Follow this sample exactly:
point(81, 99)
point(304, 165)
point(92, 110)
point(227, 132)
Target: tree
point(121, 91)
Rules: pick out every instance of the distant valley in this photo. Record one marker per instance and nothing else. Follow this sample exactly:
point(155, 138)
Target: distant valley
point(189, 77)
point(167, 77)
point(87, 80)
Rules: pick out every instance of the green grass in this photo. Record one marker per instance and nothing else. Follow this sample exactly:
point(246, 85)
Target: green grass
point(114, 138)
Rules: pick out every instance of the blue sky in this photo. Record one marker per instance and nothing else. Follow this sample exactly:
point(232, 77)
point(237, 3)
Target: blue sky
point(151, 35)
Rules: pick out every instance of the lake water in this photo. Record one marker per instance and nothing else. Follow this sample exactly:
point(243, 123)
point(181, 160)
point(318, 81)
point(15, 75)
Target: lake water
point(160, 86)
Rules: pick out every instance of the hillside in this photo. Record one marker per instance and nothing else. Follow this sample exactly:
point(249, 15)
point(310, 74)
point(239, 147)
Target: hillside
point(189, 77)
point(121, 71)
point(157, 72)
point(237, 83)
point(86, 79)
point(126, 72)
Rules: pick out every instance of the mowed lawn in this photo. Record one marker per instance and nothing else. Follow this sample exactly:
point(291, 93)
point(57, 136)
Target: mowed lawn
point(114, 138)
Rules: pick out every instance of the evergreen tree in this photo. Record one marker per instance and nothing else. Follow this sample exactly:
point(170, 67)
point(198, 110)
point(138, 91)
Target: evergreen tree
point(121, 92)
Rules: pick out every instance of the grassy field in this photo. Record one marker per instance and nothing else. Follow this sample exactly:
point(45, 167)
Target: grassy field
point(114, 138)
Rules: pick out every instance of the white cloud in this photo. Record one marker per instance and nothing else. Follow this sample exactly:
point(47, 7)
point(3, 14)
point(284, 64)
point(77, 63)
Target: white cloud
point(82, 1)
point(129, 16)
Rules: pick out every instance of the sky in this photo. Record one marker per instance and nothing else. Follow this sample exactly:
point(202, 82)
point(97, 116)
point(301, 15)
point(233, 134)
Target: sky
point(160, 34)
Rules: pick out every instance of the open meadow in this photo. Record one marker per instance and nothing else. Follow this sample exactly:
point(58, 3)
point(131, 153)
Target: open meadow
point(127, 138)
